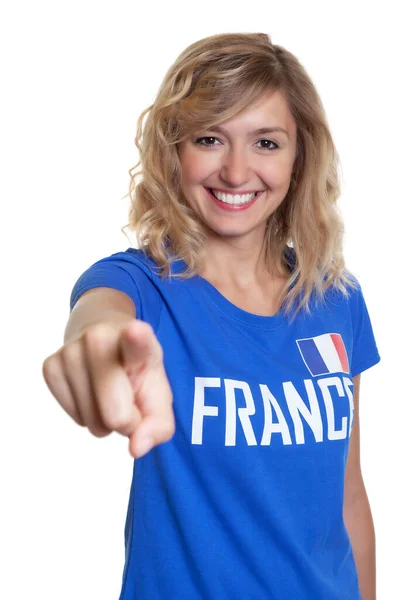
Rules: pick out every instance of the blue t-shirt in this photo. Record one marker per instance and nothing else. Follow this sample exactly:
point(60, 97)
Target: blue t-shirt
point(245, 502)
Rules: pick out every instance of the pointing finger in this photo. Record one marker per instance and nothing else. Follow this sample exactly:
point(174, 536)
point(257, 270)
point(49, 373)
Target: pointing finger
point(112, 388)
point(139, 347)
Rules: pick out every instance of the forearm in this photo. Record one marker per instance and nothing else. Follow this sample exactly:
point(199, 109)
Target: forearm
point(75, 328)
point(360, 527)
point(98, 305)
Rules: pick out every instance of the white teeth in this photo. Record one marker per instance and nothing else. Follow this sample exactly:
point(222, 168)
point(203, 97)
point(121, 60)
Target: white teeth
point(233, 199)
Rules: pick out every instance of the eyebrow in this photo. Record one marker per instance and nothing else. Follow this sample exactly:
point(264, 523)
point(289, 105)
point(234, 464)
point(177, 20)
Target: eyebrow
point(255, 132)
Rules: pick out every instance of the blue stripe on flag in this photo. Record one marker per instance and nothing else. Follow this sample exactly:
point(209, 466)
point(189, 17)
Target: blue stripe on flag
point(312, 357)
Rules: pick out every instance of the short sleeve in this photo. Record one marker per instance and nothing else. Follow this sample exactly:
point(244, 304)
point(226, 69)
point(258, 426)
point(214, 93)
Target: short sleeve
point(365, 352)
point(124, 272)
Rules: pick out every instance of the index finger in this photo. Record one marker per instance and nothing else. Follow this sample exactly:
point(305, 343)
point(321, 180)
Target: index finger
point(139, 347)
point(112, 389)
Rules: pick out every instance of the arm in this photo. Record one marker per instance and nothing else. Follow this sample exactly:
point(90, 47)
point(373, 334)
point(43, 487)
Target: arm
point(356, 511)
point(109, 375)
point(99, 305)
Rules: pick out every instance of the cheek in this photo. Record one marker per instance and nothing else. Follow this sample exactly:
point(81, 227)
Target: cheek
point(276, 175)
point(195, 166)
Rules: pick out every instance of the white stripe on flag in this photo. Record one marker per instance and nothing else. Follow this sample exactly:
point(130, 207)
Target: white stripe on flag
point(328, 352)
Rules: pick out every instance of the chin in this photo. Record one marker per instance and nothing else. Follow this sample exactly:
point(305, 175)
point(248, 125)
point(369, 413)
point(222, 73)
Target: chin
point(230, 231)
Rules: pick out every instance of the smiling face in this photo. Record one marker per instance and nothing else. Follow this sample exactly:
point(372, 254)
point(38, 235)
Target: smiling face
point(242, 156)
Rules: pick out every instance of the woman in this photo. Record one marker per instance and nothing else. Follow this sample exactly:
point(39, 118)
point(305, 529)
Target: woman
point(228, 346)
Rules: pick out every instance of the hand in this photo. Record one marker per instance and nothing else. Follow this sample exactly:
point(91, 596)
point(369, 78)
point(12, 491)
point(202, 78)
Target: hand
point(112, 378)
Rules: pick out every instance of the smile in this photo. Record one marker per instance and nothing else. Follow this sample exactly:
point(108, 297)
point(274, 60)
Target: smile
point(234, 199)
point(233, 203)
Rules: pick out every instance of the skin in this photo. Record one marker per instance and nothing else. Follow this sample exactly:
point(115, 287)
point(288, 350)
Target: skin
point(236, 161)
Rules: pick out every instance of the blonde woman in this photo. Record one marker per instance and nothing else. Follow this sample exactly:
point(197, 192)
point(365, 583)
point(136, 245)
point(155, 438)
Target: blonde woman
point(228, 346)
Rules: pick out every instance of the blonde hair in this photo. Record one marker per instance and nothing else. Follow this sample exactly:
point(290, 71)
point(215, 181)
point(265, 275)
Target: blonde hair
point(212, 81)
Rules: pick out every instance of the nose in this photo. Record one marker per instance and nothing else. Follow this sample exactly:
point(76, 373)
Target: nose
point(235, 167)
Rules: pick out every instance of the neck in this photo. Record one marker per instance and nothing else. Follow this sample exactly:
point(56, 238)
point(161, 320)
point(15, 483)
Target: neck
point(234, 261)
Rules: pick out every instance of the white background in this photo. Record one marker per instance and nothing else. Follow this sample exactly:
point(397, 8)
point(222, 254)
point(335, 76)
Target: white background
point(75, 76)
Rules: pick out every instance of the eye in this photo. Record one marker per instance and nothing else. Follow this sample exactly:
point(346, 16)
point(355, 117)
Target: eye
point(275, 145)
point(199, 141)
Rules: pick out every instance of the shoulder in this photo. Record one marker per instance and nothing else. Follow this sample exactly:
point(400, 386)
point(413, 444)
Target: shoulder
point(129, 271)
point(137, 258)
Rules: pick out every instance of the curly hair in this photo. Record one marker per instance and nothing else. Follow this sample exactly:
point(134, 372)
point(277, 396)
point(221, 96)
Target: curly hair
point(212, 81)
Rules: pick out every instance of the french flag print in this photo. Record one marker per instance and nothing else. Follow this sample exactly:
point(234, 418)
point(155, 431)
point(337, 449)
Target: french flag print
point(324, 354)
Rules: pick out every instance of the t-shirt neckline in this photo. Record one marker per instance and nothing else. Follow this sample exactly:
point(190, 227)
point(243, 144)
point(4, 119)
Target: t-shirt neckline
point(235, 312)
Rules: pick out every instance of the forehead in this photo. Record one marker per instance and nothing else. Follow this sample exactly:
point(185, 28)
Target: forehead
point(271, 110)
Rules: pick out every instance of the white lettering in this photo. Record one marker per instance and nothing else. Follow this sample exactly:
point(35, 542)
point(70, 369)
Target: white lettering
point(348, 383)
point(332, 432)
point(230, 439)
point(200, 409)
point(303, 411)
point(270, 427)
point(296, 405)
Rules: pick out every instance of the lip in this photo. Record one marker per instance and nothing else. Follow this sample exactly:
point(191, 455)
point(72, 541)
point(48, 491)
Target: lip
point(231, 207)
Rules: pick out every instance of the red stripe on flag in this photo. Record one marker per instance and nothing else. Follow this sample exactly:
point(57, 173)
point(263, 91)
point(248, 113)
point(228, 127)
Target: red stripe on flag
point(341, 350)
